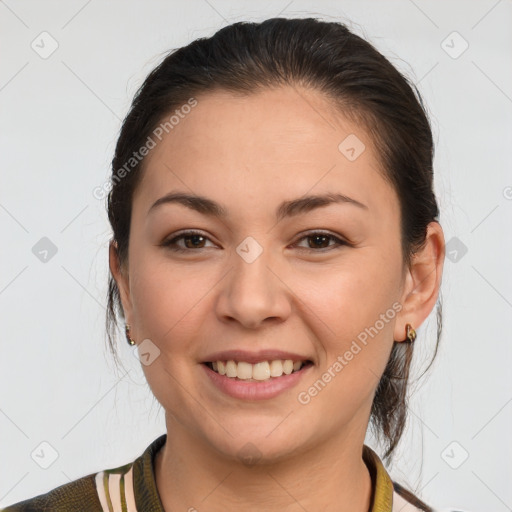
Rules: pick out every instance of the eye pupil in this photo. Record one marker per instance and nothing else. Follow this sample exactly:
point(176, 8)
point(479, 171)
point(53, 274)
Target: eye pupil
point(188, 238)
point(322, 237)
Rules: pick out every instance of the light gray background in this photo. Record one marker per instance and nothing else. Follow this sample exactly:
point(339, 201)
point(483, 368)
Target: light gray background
point(59, 120)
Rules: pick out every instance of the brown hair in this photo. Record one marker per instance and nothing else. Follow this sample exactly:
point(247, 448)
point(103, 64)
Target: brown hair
point(325, 56)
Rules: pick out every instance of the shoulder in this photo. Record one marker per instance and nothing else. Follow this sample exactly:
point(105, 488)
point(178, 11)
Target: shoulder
point(92, 493)
point(405, 501)
point(389, 495)
point(76, 495)
point(125, 487)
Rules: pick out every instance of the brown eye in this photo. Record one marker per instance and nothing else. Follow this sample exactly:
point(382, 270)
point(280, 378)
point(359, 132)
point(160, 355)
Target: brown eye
point(316, 241)
point(191, 240)
point(321, 241)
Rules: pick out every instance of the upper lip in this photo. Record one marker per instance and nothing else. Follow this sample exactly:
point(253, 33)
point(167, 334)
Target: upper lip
point(254, 357)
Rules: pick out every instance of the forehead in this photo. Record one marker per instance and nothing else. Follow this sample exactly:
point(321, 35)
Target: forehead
point(271, 144)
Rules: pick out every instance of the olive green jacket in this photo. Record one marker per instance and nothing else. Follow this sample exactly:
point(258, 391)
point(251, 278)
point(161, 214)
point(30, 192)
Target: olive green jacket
point(132, 488)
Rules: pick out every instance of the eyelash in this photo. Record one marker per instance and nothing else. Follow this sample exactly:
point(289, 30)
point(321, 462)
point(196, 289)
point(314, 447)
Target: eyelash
point(171, 244)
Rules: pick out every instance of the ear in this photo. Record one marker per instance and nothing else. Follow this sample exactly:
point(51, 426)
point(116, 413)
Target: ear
point(422, 282)
point(120, 274)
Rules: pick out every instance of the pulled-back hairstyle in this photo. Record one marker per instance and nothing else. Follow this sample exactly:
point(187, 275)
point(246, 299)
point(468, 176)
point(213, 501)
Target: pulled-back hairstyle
point(360, 83)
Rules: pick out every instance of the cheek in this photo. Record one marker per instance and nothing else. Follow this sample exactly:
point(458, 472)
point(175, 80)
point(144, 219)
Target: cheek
point(355, 339)
point(353, 306)
point(168, 309)
point(167, 297)
point(353, 294)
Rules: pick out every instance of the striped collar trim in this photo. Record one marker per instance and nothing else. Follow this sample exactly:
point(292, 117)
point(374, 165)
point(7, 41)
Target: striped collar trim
point(118, 488)
point(132, 487)
point(115, 489)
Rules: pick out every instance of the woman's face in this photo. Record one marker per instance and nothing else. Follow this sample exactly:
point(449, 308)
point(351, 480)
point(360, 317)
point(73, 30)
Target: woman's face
point(254, 281)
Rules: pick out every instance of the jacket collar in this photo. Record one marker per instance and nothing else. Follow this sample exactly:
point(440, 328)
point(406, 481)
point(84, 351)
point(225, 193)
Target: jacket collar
point(147, 497)
point(382, 494)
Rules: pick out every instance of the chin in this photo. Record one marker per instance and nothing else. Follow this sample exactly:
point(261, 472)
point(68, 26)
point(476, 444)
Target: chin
point(259, 445)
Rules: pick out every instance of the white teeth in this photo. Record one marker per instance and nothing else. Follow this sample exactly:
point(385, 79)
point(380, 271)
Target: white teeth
point(231, 369)
point(259, 371)
point(244, 370)
point(288, 366)
point(276, 368)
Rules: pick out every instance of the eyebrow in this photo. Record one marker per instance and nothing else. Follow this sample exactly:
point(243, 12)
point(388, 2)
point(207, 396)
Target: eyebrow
point(291, 208)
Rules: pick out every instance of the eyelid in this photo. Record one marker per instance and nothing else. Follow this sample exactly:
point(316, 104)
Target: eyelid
point(339, 241)
point(168, 241)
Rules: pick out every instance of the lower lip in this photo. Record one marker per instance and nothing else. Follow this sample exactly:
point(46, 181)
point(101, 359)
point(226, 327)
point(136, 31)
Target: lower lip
point(251, 390)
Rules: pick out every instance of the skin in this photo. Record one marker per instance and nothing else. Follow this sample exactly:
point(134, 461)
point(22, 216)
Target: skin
point(250, 154)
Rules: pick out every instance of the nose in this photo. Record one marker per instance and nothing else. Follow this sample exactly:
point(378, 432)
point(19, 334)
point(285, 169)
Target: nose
point(253, 294)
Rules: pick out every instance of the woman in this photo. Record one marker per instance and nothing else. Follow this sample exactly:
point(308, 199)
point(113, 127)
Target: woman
point(275, 245)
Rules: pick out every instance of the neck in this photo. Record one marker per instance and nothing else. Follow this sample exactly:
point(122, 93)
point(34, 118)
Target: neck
point(331, 477)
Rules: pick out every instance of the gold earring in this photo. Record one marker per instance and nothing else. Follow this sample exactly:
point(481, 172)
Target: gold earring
point(410, 333)
point(128, 338)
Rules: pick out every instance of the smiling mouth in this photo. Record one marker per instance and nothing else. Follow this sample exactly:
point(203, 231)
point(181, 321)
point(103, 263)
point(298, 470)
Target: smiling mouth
point(262, 371)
